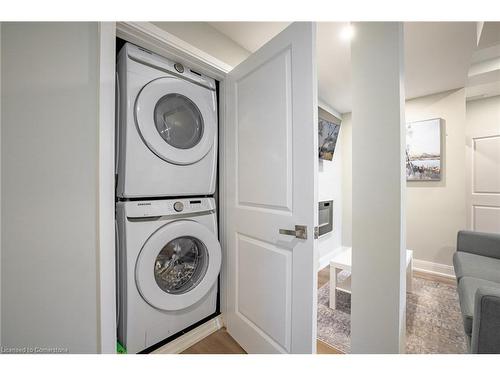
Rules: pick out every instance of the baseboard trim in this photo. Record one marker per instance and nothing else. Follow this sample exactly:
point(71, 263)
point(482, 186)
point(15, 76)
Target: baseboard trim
point(436, 269)
point(192, 337)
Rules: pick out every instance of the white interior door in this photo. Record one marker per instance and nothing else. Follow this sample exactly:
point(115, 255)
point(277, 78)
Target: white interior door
point(272, 162)
point(483, 174)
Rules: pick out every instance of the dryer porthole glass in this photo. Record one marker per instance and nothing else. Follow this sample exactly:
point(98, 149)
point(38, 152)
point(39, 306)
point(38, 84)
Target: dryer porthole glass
point(181, 265)
point(179, 121)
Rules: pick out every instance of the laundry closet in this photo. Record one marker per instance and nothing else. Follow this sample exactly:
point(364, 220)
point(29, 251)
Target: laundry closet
point(179, 120)
point(168, 252)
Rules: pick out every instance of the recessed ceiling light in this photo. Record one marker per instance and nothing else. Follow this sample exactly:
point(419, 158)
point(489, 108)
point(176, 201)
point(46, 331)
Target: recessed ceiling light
point(347, 33)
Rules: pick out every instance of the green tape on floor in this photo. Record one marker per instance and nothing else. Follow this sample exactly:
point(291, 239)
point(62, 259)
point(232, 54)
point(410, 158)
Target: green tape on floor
point(120, 349)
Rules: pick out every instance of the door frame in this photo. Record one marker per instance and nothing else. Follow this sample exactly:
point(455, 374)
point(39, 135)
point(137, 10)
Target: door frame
point(162, 42)
point(106, 280)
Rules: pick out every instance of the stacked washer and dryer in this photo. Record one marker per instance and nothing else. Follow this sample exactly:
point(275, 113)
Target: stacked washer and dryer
point(169, 256)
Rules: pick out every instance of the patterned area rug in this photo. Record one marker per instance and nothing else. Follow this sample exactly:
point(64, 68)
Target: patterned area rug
point(433, 319)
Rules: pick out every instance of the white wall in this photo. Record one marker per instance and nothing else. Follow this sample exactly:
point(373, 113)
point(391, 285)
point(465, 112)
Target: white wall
point(207, 39)
point(346, 178)
point(49, 192)
point(483, 113)
point(329, 184)
point(378, 195)
point(435, 211)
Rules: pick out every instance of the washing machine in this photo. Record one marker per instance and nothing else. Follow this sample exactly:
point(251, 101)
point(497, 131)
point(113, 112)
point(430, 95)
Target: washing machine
point(169, 261)
point(166, 127)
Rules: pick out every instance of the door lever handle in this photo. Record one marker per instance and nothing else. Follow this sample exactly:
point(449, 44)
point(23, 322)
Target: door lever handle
point(300, 231)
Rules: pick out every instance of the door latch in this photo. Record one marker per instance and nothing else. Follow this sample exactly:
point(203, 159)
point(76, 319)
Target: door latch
point(299, 232)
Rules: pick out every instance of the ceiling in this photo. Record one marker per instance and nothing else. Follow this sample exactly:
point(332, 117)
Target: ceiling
point(250, 35)
point(490, 35)
point(484, 73)
point(437, 55)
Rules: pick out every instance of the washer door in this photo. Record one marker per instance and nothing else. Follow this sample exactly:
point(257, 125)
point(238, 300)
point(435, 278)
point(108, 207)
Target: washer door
point(178, 265)
point(176, 119)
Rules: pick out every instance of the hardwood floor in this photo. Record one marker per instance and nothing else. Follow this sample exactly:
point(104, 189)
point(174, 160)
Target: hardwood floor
point(323, 348)
point(220, 342)
point(323, 276)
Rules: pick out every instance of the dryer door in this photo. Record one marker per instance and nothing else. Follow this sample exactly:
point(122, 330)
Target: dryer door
point(176, 119)
point(178, 265)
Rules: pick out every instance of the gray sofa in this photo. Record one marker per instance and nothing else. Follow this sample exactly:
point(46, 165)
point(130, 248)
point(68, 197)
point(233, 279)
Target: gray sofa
point(477, 268)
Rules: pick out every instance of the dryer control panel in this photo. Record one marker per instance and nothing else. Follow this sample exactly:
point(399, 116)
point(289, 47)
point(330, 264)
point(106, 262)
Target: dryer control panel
point(153, 60)
point(168, 207)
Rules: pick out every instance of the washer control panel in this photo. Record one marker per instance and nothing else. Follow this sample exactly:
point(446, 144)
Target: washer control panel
point(168, 207)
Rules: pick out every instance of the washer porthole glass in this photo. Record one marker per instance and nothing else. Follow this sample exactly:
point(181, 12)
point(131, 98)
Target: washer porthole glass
point(179, 121)
point(181, 265)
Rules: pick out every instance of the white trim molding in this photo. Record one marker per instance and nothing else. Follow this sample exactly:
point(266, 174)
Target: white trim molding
point(106, 210)
point(222, 214)
point(437, 269)
point(192, 337)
